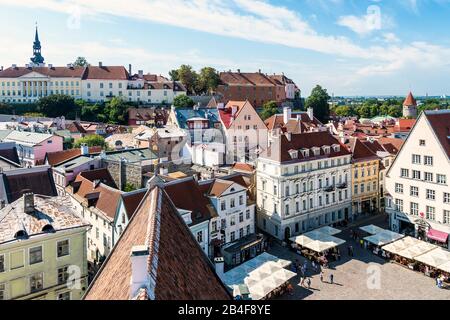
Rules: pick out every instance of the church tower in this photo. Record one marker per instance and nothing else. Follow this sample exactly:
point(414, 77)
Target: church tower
point(37, 60)
point(410, 107)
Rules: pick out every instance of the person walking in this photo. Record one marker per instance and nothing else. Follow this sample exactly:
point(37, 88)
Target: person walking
point(321, 276)
point(308, 283)
point(331, 278)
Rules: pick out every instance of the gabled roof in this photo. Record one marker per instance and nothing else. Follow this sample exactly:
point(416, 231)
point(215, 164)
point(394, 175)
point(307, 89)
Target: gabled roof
point(301, 118)
point(10, 154)
point(246, 78)
point(131, 200)
point(184, 114)
point(219, 186)
point(58, 157)
point(186, 194)
point(101, 174)
point(360, 152)
point(440, 123)
point(404, 125)
point(176, 265)
point(226, 114)
point(239, 166)
point(38, 180)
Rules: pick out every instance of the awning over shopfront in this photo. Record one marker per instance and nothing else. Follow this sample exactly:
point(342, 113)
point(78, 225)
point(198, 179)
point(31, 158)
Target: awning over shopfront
point(437, 235)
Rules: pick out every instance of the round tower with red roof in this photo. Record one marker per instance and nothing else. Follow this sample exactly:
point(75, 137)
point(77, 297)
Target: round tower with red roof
point(410, 107)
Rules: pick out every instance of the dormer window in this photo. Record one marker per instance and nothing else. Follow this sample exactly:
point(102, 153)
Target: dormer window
point(336, 147)
point(293, 154)
point(316, 151)
point(326, 149)
point(305, 152)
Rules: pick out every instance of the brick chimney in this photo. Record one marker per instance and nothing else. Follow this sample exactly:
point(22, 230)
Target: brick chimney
point(28, 203)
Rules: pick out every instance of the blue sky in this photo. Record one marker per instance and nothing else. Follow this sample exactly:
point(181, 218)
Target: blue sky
point(351, 47)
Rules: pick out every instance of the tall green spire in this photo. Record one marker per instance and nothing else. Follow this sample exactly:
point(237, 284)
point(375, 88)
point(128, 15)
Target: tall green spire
point(37, 58)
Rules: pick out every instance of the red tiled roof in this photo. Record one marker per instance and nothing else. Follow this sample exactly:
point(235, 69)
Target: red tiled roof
point(392, 145)
point(54, 72)
point(176, 263)
point(243, 78)
point(57, 157)
point(360, 152)
point(131, 201)
point(107, 198)
point(101, 174)
point(404, 125)
point(440, 122)
point(106, 73)
point(186, 194)
point(298, 120)
point(243, 167)
point(410, 101)
point(226, 113)
point(279, 150)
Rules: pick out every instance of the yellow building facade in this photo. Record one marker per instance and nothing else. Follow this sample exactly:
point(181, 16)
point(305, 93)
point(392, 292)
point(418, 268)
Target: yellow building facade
point(45, 259)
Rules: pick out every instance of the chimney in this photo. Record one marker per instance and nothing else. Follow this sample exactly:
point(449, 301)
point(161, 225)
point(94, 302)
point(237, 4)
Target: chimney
point(84, 149)
point(100, 64)
point(239, 70)
point(1, 68)
point(259, 71)
point(28, 203)
point(163, 171)
point(286, 114)
point(50, 66)
point(129, 69)
point(141, 74)
point(14, 66)
point(310, 112)
point(233, 111)
point(219, 264)
point(140, 277)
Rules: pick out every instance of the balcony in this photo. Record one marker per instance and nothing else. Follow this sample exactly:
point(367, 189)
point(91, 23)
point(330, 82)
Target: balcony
point(328, 189)
point(342, 185)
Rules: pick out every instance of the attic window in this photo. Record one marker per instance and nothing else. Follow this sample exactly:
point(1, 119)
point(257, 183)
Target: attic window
point(336, 147)
point(316, 151)
point(21, 234)
point(232, 190)
point(293, 154)
point(48, 228)
point(305, 152)
point(326, 149)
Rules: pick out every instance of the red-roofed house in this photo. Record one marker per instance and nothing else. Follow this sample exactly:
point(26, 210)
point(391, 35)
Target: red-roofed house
point(245, 132)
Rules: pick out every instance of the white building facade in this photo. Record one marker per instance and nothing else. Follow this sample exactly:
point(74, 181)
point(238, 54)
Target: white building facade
point(417, 181)
point(303, 182)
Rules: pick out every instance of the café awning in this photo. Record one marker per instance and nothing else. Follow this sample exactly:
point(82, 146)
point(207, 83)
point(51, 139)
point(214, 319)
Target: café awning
point(398, 246)
point(329, 230)
point(437, 235)
point(372, 229)
point(384, 237)
point(435, 258)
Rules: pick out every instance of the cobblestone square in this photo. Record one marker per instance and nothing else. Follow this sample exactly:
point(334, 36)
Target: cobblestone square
point(351, 276)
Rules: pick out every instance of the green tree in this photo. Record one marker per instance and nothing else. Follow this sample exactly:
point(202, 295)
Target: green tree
point(318, 100)
point(93, 140)
point(363, 111)
point(183, 101)
point(116, 111)
point(395, 111)
point(57, 105)
point(188, 77)
point(81, 62)
point(269, 109)
point(208, 80)
point(343, 111)
point(174, 75)
point(129, 187)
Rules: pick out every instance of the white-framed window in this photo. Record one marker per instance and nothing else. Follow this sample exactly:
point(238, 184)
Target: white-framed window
point(63, 275)
point(232, 236)
point(446, 197)
point(431, 213)
point(35, 255)
point(399, 188)
point(428, 160)
point(200, 236)
point(431, 194)
point(399, 204)
point(446, 215)
point(416, 174)
point(232, 203)
point(62, 248)
point(223, 205)
point(64, 295)
point(416, 159)
point(441, 178)
point(421, 142)
point(3, 291)
point(414, 208)
point(232, 220)
point(414, 191)
point(428, 177)
point(404, 173)
point(36, 282)
point(2, 263)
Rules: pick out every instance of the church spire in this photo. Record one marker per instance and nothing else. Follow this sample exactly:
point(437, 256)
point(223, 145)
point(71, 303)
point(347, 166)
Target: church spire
point(37, 58)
